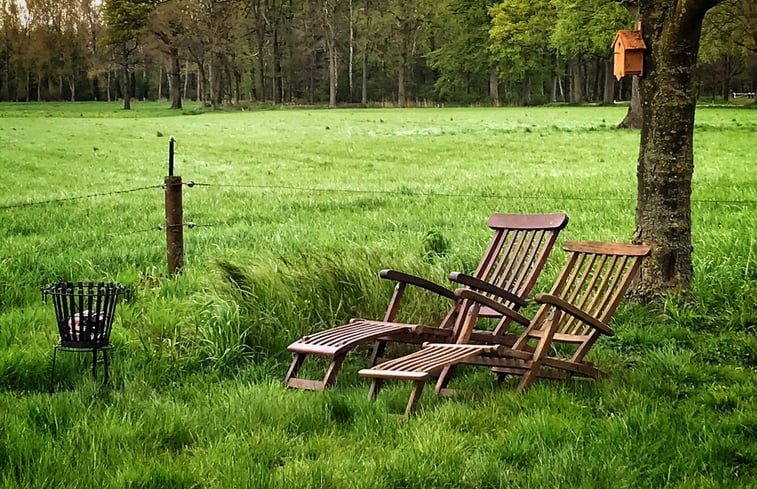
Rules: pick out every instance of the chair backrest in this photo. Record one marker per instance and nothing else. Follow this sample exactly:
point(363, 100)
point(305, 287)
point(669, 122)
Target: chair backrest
point(594, 280)
point(513, 260)
point(519, 249)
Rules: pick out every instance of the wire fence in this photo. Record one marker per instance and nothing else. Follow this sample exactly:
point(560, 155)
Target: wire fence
point(90, 238)
point(388, 192)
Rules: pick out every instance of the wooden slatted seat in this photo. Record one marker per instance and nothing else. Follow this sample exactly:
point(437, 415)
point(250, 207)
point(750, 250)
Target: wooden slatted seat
point(572, 316)
point(507, 273)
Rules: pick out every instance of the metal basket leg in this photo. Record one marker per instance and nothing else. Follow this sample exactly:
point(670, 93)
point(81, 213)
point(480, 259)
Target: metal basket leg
point(52, 370)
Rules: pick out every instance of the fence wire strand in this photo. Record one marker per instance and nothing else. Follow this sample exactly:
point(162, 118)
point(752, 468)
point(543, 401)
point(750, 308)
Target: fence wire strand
point(49, 247)
point(79, 197)
point(461, 195)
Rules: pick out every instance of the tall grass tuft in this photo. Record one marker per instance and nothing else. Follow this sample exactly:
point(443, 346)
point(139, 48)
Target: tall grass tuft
point(253, 311)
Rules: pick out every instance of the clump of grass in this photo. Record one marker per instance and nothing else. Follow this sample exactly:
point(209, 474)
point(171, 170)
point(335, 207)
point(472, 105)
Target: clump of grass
point(255, 310)
point(435, 245)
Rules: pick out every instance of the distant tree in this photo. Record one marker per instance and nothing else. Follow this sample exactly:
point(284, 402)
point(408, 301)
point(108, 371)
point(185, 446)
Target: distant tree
point(168, 25)
point(586, 30)
point(329, 16)
point(520, 34)
point(125, 21)
point(729, 42)
point(10, 49)
point(462, 59)
point(407, 21)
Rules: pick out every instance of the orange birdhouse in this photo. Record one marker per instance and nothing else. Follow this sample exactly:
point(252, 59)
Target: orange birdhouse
point(629, 53)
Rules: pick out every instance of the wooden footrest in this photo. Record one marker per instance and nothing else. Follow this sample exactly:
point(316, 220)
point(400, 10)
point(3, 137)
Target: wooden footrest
point(343, 338)
point(425, 362)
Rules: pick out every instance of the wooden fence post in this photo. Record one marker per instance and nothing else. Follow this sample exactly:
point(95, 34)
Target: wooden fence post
point(174, 217)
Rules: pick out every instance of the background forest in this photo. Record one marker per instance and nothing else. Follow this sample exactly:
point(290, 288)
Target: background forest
point(392, 52)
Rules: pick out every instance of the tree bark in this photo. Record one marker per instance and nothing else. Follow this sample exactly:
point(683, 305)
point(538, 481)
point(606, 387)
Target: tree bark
point(672, 30)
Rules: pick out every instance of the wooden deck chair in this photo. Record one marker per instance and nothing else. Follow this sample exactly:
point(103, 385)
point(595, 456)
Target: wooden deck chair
point(506, 275)
point(572, 316)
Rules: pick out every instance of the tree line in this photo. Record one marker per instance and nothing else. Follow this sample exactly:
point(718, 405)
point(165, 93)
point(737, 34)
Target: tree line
point(398, 52)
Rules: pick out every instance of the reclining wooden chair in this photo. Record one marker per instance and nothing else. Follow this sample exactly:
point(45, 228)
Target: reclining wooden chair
point(506, 275)
point(571, 317)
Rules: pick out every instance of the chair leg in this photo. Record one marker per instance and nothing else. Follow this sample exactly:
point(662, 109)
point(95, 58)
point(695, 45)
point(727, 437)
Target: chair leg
point(415, 395)
point(52, 371)
point(378, 351)
point(376, 385)
point(299, 359)
point(444, 378)
point(333, 369)
point(529, 376)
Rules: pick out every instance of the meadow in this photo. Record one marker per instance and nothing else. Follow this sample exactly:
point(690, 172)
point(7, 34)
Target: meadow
point(295, 213)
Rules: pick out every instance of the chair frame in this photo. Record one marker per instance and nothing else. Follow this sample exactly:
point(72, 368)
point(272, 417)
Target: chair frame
point(576, 311)
point(516, 254)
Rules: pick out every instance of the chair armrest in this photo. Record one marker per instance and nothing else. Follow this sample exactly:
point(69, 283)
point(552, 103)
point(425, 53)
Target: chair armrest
point(486, 301)
point(470, 281)
point(418, 282)
point(575, 312)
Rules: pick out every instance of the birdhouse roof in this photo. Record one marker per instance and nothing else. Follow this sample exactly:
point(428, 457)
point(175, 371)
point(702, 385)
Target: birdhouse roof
point(630, 40)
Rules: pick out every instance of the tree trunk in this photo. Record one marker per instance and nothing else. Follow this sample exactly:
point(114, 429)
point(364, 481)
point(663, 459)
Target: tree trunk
point(401, 98)
point(576, 82)
point(260, 88)
point(331, 50)
point(608, 93)
point(175, 79)
point(332, 74)
point(186, 79)
point(598, 74)
point(526, 91)
point(635, 114)
point(665, 169)
point(72, 87)
point(127, 88)
point(276, 75)
point(351, 52)
point(494, 87)
point(725, 82)
point(364, 79)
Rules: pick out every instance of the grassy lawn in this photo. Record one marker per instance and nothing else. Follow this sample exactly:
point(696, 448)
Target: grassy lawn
point(296, 211)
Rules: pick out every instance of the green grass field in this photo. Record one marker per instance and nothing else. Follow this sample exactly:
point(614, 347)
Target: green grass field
point(296, 211)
